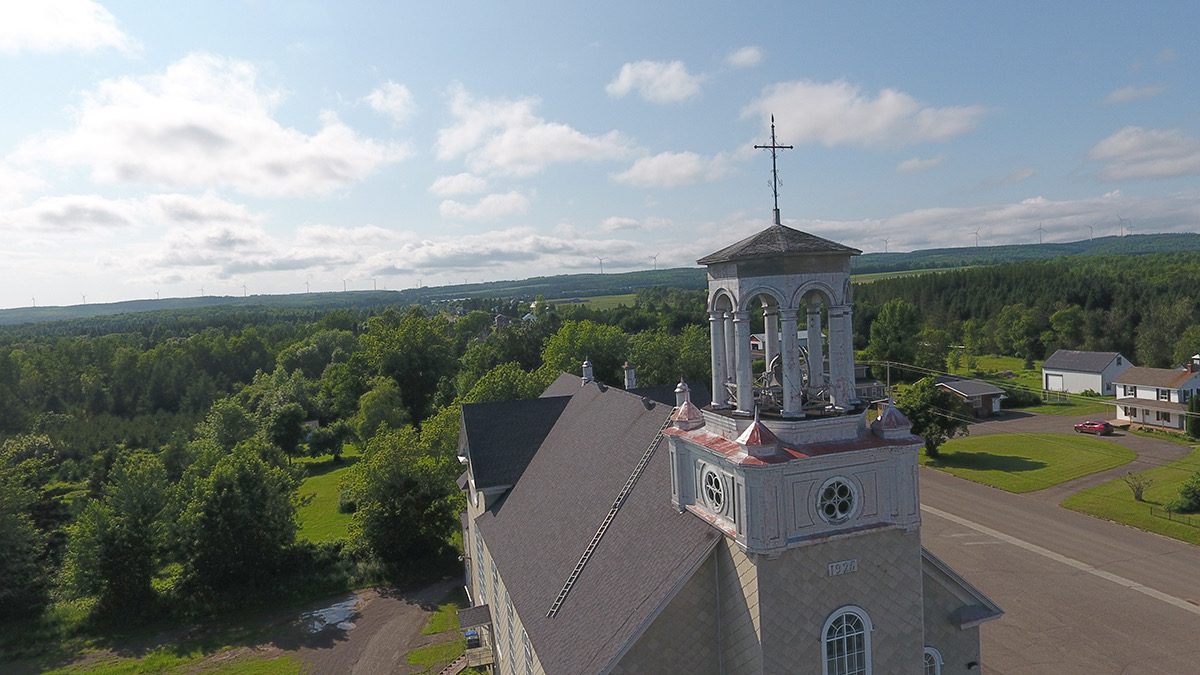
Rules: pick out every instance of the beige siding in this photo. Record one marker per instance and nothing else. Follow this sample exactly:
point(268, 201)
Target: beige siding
point(741, 635)
point(798, 595)
point(957, 647)
point(683, 638)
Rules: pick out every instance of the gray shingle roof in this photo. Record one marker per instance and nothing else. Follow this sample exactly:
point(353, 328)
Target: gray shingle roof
point(511, 431)
point(480, 615)
point(537, 533)
point(967, 387)
point(1083, 362)
point(776, 240)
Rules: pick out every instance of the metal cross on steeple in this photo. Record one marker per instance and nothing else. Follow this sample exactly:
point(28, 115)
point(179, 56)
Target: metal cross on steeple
point(773, 147)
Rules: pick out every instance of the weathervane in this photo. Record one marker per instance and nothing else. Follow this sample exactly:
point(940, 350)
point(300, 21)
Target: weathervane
point(773, 147)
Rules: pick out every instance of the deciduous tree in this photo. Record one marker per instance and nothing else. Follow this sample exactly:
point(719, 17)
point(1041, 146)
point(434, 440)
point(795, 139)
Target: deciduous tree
point(936, 414)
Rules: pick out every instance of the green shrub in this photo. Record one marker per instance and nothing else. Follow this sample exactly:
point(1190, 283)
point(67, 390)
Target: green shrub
point(347, 502)
point(1188, 500)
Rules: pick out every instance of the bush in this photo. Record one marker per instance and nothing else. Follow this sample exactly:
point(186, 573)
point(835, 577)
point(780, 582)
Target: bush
point(1020, 397)
point(1091, 393)
point(347, 502)
point(1188, 500)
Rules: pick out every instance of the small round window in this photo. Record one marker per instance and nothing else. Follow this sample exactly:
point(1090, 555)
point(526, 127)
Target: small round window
point(837, 500)
point(714, 493)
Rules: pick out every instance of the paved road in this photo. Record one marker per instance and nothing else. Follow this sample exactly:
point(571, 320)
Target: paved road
point(1081, 595)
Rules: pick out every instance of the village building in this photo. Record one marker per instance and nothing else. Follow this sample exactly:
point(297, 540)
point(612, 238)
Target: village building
point(982, 398)
point(763, 528)
point(1075, 372)
point(1157, 397)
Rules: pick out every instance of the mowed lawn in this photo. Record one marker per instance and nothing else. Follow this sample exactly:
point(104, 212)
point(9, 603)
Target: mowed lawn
point(1027, 462)
point(992, 366)
point(1114, 500)
point(318, 517)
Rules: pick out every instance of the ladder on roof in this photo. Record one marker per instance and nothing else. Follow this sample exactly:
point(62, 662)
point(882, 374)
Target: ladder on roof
point(612, 513)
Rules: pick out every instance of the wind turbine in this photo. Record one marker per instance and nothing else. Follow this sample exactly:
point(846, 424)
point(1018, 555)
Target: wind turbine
point(202, 291)
point(601, 264)
point(306, 287)
point(1040, 230)
point(156, 296)
point(1122, 222)
point(344, 285)
point(243, 289)
point(976, 233)
point(84, 296)
point(1092, 230)
point(885, 241)
point(374, 285)
point(34, 301)
point(655, 259)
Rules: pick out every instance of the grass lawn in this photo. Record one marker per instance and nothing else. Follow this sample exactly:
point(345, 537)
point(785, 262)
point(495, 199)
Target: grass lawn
point(446, 616)
point(1027, 462)
point(319, 518)
point(1114, 501)
point(600, 301)
point(436, 657)
point(990, 367)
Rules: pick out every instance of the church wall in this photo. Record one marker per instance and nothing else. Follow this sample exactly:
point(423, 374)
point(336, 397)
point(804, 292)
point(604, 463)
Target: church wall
point(741, 643)
point(683, 638)
point(798, 594)
point(958, 647)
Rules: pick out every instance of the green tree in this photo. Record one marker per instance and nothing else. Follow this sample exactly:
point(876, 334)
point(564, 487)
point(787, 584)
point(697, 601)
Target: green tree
point(1187, 346)
point(936, 414)
point(236, 523)
point(894, 333)
point(1193, 417)
point(284, 427)
point(23, 583)
point(662, 358)
point(507, 382)
point(605, 346)
point(413, 351)
point(114, 545)
point(407, 502)
point(383, 404)
point(933, 346)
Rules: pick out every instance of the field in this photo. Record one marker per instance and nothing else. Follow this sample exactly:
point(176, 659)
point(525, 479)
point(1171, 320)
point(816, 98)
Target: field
point(1027, 462)
point(1114, 500)
point(599, 301)
point(318, 515)
point(989, 368)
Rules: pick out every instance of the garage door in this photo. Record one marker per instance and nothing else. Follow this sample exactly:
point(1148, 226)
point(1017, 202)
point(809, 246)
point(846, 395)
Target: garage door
point(1054, 382)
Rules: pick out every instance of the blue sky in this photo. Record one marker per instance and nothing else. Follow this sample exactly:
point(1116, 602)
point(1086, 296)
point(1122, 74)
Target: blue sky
point(254, 146)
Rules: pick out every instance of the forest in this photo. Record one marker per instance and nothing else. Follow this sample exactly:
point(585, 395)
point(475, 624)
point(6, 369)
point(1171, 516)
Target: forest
point(148, 461)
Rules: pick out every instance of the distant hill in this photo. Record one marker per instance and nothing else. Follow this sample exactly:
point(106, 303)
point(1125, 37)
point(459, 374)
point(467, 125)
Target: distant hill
point(584, 285)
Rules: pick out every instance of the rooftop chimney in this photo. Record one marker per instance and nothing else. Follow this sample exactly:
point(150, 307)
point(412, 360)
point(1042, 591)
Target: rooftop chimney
point(589, 375)
point(630, 378)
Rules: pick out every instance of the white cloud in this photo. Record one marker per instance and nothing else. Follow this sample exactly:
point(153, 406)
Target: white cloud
point(206, 123)
point(490, 207)
point(656, 81)
point(838, 113)
point(1134, 152)
point(16, 184)
point(1133, 93)
point(746, 57)
point(95, 214)
point(60, 25)
point(616, 224)
point(916, 164)
point(393, 100)
point(673, 169)
point(506, 137)
point(458, 184)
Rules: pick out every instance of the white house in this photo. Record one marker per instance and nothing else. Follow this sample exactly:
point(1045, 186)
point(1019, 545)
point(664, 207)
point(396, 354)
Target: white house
point(1076, 372)
point(1156, 396)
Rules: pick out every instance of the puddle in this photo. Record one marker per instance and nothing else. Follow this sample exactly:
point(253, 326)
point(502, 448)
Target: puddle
point(337, 615)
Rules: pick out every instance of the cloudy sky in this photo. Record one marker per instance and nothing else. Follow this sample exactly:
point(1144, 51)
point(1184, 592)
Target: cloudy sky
point(262, 146)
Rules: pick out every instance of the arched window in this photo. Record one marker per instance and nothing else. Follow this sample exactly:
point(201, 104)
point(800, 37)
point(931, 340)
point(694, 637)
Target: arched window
point(933, 662)
point(847, 637)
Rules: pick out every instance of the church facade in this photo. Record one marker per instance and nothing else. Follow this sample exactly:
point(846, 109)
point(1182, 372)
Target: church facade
point(770, 526)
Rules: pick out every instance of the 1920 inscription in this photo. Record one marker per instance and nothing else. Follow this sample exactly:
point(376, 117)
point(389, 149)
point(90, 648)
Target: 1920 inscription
point(843, 567)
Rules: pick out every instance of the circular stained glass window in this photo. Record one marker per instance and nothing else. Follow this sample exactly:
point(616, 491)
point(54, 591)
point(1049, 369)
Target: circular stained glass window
point(837, 500)
point(714, 493)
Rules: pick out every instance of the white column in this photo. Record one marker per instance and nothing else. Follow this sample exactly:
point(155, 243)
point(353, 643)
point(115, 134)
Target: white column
point(771, 339)
point(745, 377)
point(793, 383)
point(730, 346)
point(716, 330)
point(841, 356)
point(816, 350)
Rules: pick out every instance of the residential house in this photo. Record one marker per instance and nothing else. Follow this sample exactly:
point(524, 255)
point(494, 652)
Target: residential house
point(632, 531)
point(1156, 397)
point(983, 398)
point(1075, 372)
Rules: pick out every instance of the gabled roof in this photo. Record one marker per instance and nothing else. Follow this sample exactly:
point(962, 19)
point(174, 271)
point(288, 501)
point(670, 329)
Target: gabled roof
point(1154, 377)
point(776, 240)
point(1083, 362)
point(965, 387)
point(976, 608)
point(511, 431)
point(538, 532)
